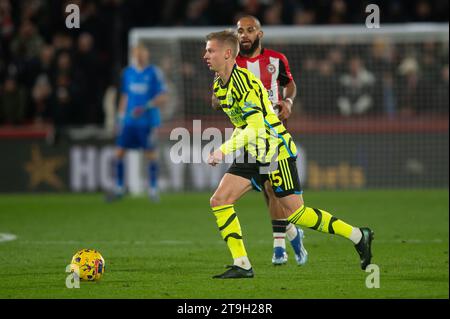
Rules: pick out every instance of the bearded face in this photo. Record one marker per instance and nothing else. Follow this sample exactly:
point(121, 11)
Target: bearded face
point(248, 47)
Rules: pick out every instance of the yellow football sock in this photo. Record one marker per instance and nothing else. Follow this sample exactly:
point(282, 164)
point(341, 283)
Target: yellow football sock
point(320, 220)
point(230, 229)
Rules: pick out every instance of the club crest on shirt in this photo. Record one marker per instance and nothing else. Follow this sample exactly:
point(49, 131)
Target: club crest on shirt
point(271, 68)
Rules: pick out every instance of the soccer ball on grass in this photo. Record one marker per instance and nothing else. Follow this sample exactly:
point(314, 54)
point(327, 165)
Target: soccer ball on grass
point(88, 264)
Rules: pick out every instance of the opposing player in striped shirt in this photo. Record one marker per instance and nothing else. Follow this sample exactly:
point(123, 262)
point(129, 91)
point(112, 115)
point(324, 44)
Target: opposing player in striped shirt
point(272, 68)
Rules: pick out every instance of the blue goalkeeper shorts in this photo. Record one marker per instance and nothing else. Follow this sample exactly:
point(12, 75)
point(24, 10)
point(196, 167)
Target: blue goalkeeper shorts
point(137, 137)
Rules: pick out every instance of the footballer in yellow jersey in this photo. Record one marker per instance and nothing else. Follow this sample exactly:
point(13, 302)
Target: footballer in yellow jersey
point(244, 99)
point(272, 68)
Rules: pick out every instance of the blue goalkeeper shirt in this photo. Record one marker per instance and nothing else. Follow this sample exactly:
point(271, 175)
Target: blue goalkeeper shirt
point(141, 86)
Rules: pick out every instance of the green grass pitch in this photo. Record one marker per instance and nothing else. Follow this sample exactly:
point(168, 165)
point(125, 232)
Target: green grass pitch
point(171, 249)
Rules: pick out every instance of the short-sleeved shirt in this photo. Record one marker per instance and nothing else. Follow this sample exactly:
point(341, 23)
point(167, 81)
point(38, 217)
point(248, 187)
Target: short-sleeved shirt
point(272, 68)
point(141, 86)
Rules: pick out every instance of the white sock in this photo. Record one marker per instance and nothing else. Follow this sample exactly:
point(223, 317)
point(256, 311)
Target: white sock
point(356, 235)
point(291, 231)
point(242, 262)
point(279, 240)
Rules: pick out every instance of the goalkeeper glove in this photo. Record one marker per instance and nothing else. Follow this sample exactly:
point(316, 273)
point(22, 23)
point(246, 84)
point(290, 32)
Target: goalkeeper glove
point(138, 111)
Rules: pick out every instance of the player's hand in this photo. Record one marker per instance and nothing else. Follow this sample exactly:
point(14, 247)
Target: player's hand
point(138, 111)
point(216, 157)
point(215, 104)
point(284, 109)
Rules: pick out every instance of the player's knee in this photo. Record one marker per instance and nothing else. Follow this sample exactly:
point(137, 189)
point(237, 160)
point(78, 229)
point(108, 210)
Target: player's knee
point(151, 155)
point(218, 200)
point(120, 153)
point(215, 201)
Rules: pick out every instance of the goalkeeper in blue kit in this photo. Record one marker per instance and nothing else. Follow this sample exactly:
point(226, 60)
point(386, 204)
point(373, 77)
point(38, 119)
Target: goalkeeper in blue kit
point(143, 91)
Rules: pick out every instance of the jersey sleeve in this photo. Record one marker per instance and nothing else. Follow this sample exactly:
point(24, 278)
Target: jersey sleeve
point(254, 130)
point(284, 75)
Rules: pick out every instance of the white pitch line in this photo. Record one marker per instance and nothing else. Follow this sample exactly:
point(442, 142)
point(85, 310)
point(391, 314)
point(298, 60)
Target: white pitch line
point(7, 237)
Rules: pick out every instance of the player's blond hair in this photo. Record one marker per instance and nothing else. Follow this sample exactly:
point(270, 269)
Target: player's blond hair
point(227, 37)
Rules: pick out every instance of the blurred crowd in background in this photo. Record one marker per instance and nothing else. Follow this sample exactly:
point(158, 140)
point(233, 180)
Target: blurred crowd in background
point(50, 73)
point(377, 77)
point(381, 77)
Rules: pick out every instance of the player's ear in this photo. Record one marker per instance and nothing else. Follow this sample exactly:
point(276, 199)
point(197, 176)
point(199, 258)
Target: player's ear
point(260, 34)
point(227, 54)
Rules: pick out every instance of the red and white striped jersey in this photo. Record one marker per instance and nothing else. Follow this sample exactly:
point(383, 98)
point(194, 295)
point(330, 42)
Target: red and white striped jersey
point(272, 68)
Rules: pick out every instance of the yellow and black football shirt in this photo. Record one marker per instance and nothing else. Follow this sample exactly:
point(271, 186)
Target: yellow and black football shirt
point(257, 128)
